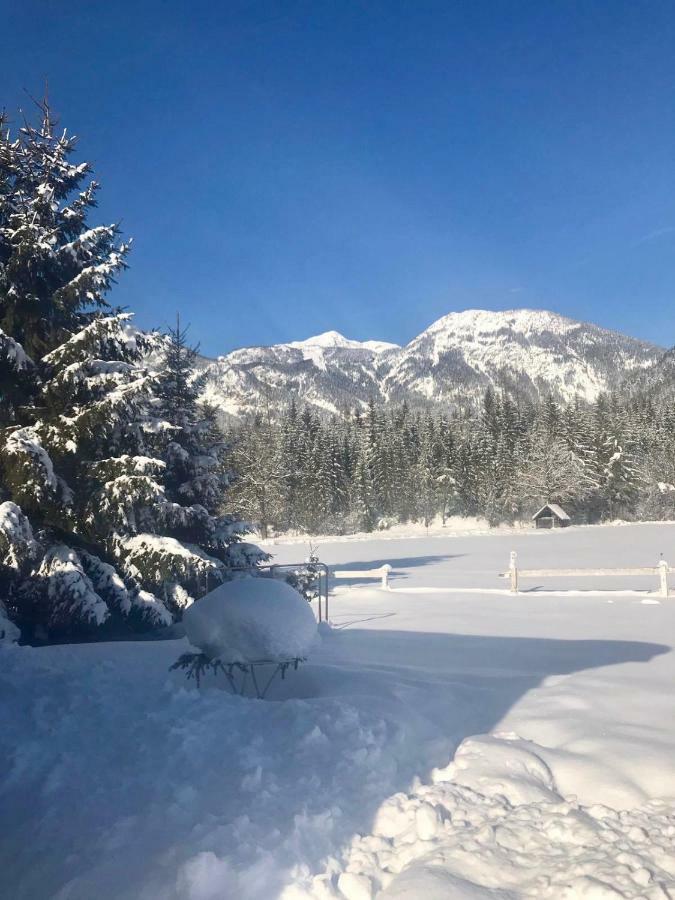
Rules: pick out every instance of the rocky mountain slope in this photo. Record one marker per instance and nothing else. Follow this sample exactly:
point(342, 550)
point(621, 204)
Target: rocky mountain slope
point(526, 352)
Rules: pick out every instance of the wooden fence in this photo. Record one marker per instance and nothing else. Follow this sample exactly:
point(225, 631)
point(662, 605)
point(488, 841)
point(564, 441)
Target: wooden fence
point(514, 574)
point(383, 573)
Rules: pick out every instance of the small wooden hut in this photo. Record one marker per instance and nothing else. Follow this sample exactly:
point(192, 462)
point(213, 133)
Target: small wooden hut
point(551, 516)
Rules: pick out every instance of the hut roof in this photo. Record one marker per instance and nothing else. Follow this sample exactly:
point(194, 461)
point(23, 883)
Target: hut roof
point(557, 511)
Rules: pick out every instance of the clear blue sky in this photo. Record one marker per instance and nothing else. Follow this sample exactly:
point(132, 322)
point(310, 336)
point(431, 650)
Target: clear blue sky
point(291, 167)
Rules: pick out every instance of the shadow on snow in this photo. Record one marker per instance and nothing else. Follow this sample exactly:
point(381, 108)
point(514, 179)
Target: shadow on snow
point(159, 777)
point(403, 562)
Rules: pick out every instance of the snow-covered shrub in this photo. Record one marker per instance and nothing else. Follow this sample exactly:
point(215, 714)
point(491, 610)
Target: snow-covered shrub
point(164, 564)
point(69, 595)
point(307, 579)
point(251, 619)
point(124, 602)
point(384, 523)
point(18, 547)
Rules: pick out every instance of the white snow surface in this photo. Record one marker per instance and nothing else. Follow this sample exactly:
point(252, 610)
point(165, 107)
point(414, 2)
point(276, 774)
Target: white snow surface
point(453, 526)
point(442, 742)
point(335, 339)
point(251, 619)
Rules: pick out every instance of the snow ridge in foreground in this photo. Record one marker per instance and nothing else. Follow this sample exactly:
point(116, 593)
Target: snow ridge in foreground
point(491, 824)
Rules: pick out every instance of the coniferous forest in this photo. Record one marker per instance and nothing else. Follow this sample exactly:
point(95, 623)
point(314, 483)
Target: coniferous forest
point(602, 461)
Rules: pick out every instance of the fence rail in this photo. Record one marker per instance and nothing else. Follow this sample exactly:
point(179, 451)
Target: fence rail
point(322, 573)
point(383, 572)
point(317, 568)
point(661, 570)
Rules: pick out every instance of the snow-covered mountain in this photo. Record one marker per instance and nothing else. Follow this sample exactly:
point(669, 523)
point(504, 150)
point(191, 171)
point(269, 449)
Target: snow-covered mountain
point(332, 339)
point(527, 352)
point(329, 372)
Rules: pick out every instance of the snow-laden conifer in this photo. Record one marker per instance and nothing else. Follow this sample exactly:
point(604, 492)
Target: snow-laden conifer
point(112, 487)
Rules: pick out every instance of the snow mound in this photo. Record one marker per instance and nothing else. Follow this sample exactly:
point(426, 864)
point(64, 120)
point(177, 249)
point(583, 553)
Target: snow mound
point(500, 764)
point(251, 619)
point(493, 824)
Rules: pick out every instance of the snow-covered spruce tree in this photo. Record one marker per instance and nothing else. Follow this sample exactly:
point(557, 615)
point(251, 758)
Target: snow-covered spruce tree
point(289, 460)
point(83, 506)
point(77, 479)
point(199, 542)
point(19, 552)
point(551, 472)
point(426, 473)
point(334, 478)
point(447, 484)
point(54, 273)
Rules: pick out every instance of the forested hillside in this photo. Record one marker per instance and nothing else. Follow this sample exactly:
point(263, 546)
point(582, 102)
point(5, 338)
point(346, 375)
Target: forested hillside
point(611, 459)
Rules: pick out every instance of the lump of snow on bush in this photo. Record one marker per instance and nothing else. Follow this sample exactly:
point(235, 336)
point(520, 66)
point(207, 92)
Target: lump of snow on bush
point(251, 619)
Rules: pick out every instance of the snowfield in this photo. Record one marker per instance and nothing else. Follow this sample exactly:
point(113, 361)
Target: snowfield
point(446, 740)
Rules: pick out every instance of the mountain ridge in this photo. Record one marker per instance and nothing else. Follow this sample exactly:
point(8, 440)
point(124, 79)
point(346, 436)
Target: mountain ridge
point(527, 352)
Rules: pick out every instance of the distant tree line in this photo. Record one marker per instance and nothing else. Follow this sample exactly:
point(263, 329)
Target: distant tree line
point(611, 459)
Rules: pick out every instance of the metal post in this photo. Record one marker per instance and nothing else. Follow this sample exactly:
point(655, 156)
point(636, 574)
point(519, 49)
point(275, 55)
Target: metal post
point(663, 577)
point(513, 572)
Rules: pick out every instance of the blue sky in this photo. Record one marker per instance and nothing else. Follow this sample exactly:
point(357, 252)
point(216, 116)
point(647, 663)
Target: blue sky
point(291, 167)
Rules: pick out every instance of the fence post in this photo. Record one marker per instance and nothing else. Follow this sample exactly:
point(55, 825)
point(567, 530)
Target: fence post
point(386, 569)
point(326, 572)
point(513, 572)
point(663, 577)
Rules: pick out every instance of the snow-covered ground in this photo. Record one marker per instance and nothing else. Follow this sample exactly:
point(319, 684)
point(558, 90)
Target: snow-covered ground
point(453, 526)
point(441, 743)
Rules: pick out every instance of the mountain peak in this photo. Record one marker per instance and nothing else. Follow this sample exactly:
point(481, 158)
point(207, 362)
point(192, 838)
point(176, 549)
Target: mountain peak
point(325, 339)
point(330, 339)
point(487, 320)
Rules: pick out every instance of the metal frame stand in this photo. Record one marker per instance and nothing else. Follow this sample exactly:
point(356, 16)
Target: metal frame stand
point(324, 572)
point(196, 665)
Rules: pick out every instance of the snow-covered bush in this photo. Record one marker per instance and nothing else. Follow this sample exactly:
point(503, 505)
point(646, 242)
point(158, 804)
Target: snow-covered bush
point(307, 579)
point(384, 523)
point(251, 619)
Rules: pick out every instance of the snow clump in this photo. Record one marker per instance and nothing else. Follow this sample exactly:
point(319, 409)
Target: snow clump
point(251, 619)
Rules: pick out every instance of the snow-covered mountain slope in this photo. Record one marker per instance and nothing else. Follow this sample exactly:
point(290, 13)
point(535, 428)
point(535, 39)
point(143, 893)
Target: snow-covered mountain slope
point(526, 352)
point(332, 339)
point(656, 383)
point(329, 372)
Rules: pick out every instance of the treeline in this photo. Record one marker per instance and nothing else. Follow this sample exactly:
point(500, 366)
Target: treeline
point(112, 473)
point(611, 459)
